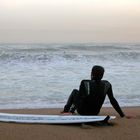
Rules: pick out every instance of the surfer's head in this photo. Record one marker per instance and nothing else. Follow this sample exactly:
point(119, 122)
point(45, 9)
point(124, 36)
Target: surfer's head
point(97, 73)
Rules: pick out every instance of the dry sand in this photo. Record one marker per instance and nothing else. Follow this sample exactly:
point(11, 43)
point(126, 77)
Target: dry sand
point(123, 128)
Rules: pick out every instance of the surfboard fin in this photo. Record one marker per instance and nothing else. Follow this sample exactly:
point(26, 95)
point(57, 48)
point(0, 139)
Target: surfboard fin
point(106, 119)
point(100, 123)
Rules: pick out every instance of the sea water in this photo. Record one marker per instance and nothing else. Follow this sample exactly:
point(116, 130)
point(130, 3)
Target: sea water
point(43, 75)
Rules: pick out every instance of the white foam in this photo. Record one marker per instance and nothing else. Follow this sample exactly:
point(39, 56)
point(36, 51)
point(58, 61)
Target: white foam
point(41, 76)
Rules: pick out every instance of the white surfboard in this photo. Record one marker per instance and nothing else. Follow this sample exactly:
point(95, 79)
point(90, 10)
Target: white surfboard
point(50, 119)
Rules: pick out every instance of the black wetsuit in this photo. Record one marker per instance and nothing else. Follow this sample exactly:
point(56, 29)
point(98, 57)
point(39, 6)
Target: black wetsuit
point(90, 98)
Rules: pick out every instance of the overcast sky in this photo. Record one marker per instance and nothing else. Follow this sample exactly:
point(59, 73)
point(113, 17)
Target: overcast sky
point(58, 21)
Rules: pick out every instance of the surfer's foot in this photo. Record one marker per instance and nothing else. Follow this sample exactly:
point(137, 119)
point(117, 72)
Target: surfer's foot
point(66, 113)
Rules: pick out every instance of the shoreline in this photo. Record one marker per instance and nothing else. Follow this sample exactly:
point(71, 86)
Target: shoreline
point(123, 129)
point(57, 111)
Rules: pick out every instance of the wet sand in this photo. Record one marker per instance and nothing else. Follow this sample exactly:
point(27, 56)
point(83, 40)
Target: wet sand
point(122, 128)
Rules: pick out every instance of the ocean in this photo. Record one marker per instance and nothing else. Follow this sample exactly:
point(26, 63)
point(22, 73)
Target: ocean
point(43, 75)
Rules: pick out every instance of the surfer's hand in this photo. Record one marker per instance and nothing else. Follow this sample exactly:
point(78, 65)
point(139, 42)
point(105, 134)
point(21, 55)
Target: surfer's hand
point(130, 116)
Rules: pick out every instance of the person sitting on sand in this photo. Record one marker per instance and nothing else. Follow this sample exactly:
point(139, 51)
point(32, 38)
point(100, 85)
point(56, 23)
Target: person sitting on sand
point(90, 97)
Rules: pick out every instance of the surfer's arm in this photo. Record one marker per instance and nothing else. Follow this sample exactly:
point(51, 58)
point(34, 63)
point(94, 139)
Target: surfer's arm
point(114, 102)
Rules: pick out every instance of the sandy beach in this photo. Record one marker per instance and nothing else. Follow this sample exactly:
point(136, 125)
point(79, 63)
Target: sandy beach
point(122, 128)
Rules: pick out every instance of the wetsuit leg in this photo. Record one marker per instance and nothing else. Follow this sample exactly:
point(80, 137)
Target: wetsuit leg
point(70, 105)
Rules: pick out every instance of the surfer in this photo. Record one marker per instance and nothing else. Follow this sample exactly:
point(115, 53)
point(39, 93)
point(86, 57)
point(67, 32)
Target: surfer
point(90, 97)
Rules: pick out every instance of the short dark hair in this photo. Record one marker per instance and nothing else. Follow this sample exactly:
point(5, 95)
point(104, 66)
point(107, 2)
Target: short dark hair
point(97, 73)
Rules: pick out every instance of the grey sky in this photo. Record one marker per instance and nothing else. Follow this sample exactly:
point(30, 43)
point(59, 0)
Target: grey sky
point(36, 21)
